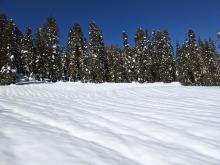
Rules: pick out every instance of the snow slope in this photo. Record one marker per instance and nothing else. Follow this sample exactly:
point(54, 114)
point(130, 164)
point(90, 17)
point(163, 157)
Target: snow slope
point(109, 124)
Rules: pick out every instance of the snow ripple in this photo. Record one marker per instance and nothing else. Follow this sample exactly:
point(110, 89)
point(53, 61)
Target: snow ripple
point(132, 124)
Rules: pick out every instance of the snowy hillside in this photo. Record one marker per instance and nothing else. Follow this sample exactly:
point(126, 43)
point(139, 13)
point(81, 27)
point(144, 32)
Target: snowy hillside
point(109, 124)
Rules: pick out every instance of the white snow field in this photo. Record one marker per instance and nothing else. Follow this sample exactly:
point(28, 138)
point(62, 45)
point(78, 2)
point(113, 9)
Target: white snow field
point(109, 124)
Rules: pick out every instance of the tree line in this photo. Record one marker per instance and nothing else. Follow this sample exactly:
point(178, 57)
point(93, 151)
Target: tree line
point(40, 57)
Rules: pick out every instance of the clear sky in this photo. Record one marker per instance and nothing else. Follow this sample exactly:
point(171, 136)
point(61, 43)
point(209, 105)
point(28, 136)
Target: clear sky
point(114, 16)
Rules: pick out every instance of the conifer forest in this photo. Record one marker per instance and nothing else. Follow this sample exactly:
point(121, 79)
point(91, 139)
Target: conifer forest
point(37, 55)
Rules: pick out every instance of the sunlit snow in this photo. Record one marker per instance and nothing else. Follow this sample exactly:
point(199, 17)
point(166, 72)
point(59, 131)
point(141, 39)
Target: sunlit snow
point(109, 124)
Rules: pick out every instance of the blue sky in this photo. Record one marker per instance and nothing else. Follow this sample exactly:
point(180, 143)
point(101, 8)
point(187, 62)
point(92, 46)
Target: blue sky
point(114, 16)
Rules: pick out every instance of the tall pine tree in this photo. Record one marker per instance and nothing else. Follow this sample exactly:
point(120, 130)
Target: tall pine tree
point(41, 57)
point(10, 52)
point(76, 54)
point(99, 61)
point(27, 54)
point(140, 55)
point(52, 49)
point(126, 59)
point(167, 65)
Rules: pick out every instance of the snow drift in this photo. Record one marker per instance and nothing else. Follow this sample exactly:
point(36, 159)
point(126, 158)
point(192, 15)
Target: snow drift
point(109, 124)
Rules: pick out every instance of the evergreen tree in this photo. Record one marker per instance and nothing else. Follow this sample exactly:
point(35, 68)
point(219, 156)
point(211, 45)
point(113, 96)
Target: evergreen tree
point(10, 52)
point(213, 59)
point(115, 64)
point(3, 21)
point(167, 65)
point(209, 66)
point(64, 64)
point(52, 49)
point(127, 73)
point(185, 75)
point(149, 63)
point(3, 45)
point(40, 52)
point(202, 51)
point(99, 61)
point(190, 69)
point(156, 54)
point(76, 53)
point(140, 55)
point(86, 63)
point(27, 54)
point(179, 63)
point(17, 35)
point(60, 63)
point(194, 59)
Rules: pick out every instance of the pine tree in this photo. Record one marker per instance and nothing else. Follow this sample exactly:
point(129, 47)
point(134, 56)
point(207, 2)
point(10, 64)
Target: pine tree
point(149, 67)
point(202, 51)
point(76, 53)
point(27, 54)
point(17, 37)
point(167, 65)
point(3, 51)
point(140, 55)
point(190, 71)
point(59, 63)
point(214, 63)
point(64, 64)
point(179, 63)
point(40, 52)
point(115, 64)
point(185, 75)
point(52, 49)
point(209, 63)
point(99, 61)
point(86, 63)
point(121, 69)
point(194, 59)
point(156, 54)
point(127, 75)
point(10, 50)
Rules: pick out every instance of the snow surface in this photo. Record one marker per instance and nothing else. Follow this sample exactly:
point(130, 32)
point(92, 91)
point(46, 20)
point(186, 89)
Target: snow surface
point(109, 124)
